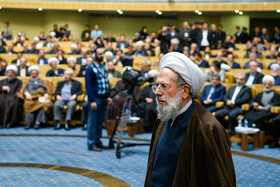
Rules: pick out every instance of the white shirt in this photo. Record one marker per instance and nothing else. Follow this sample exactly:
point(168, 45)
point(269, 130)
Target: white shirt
point(250, 80)
point(236, 92)
point(204, 41)
point(22, 72)
point(210, 92)
point(185, 108)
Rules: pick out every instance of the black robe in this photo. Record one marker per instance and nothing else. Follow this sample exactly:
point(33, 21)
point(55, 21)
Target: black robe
point(12, 107)
point(261, 117)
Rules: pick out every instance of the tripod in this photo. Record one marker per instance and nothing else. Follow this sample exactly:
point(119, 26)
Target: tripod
point(124, 121)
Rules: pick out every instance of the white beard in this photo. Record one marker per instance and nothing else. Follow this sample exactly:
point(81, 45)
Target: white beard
point(173, 105)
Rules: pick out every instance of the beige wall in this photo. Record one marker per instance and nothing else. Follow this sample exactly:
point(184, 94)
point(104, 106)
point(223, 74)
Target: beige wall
point(34, 21)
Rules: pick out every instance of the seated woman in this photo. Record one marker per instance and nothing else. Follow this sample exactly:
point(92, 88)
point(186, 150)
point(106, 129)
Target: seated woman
point(261, 104)
point(35, 94)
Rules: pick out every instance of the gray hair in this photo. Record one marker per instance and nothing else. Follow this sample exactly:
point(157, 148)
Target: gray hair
point(243, 75)
point(216, 75)
point(70, 71)
point(147, 62)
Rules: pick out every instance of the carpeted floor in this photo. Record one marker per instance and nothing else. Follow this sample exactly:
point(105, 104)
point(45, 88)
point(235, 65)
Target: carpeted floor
point(60, 158)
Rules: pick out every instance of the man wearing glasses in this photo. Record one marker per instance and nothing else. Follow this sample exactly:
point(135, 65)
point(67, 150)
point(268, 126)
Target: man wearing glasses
point(189, 147)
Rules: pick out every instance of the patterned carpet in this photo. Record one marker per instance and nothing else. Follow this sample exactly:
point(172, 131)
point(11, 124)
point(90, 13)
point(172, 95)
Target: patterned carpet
point(60, 158)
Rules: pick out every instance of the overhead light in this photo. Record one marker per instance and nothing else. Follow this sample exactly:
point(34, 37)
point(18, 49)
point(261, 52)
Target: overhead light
point(236, 11)
point(157, 11)
point(265, 3)
point(40, 9)
point(160, 13)
point(0, 7)
point(199, 13)
point(120, 11)
point(278, 10)
point(240, 13)
point(196, 11)
point(80, 10)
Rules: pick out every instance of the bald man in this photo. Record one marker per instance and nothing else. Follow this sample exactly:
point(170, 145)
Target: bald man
point(189, 147)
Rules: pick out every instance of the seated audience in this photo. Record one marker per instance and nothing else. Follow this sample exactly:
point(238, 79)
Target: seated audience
point(3, 67)
point(112, 72)
point(275, 69)
point(84, 67)
point(130, 51)
point(17, 60)
point(207, 53)
point(42, 59)
point(277, 61)
point(219, 58)
point(33, 49)
point(71, 61)
point(10, 105)
point(253, 77)
point(252, 57)
point(212, 93)
point(60, 57)
point(260, 105)
point(96, 33)
point(228, 42)
point(214, 68)
point(54, 72)
point(99, 43)
point(145, 66)
point(147, 102)
point(255, 51)
point(122, 44)
point(109, 47)
point(256, 42)
point(86, 34)
point(110, 38)
point(74, 49)
point(23, 68)
point(54, 49)
point(272, 54)
point(35, 94)
point(175, 46)
point(83, 59)
point(234, 98)
point(200, 62)
point(231, 63)
point(66, 94)
point(108, 56)
point(148, 48)
point(140, 51)
point(194, 49)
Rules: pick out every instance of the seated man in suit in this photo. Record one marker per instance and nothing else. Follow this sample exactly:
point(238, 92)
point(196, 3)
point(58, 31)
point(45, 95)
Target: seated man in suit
point(17, 60)
point(253, 77)
point(111, 70)
point(83, 59)
point(42, 59)
point(33, 49)
point(272, 54)
point(254, 50)
point(84, 67)
point(219, 58)
point(234, 98)
point(212, 93)
point(214, 68)
point(275, 69)
point(54, 72)
point(252, 57)
point(66, 94)
point(23, 68)
point(200, 62)
point(230, 61)
point(122, 44)
point(277, 61)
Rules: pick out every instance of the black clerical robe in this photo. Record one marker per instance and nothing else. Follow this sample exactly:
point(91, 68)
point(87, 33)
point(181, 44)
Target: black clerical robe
point(10, 105)
point(204, 158)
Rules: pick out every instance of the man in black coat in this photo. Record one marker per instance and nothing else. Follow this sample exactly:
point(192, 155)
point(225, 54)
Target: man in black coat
point(234, 98)
point(204, 37)
point(54, 72)
point(253, 77)
point(66, 94)
point(200, 62)
point(82, 71)
point(22, 68)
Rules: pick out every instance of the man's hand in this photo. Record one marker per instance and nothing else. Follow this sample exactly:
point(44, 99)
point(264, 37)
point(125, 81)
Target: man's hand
point(109, 101)
point(28, 96)
point(73, 97)
point(230, 103)
point(59, 98)
point(259, 107)
point(149, 100)
point(207, 102)
point(6, 88)
point(46, 96)
point(86, 99)
point(93, 105)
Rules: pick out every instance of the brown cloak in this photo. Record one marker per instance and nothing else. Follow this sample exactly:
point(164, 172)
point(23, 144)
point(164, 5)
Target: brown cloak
point(205, 157)
point(34, 104)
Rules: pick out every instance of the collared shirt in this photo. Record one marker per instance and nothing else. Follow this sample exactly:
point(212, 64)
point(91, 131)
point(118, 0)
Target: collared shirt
point(66, 91)
point(250, 79)
point(99, 67)
point(96, 33)
point(236, 91)
point(210, 92)
point(181, 111)
point(204, 41)
point(22, 72)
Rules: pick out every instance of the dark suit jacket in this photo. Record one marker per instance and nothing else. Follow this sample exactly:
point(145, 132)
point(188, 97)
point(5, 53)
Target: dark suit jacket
point(126, 44)
point(204, 64)
point(82, 71)
point(51, 73)
point(258, 78)
point(26, 70)
point(45, 60)
point(242, 97)
point(79, 60)
point(29, 51)
point(199, 38)
point(217, 95)
point(235, 65)
point(247, 65)
point(14, 61)
point(75, 89)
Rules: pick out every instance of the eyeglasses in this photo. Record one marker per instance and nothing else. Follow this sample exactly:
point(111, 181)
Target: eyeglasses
point(162, 87)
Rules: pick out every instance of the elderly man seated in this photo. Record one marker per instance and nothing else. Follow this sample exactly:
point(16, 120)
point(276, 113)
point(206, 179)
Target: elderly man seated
point(261, 104)
point(253, 77)
point(10, 105)
point(72, 61)
point(215, 68)
point(234, 98)
point(275, 68)
point(111, 70)
point(212, 93)
point(35, 93)
point(66, 95)
point(54, 72)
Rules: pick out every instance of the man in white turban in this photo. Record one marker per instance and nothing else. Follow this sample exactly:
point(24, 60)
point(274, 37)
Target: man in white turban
point(10, 105)
point(189, 146)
